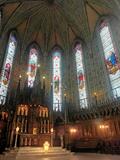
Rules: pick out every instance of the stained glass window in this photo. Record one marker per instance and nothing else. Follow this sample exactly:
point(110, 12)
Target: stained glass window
point(32, 66)
point(7, 68)
point(111, 58)
point(80, 76)
point(57, 100)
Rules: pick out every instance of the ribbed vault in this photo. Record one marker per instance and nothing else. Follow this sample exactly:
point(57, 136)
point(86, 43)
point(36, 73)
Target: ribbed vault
point(54, 21)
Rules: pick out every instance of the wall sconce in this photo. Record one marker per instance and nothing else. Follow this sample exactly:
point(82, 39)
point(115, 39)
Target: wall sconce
point(104, 126)
point(73, 130)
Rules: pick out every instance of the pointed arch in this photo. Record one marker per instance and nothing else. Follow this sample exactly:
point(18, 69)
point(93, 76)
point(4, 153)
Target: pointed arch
point(57, 78)
point(7, 65)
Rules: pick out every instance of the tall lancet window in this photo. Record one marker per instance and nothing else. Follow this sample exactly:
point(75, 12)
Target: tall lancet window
point(57, 98)
point(32, 66)
point(7, 67)
point(111, 58)
point(80, 76)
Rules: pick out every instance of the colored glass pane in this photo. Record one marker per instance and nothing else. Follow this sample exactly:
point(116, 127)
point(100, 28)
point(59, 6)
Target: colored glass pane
point(7, 68)
point(32, 67)
point(57, 100)
point(80, 76)
point(111, 58)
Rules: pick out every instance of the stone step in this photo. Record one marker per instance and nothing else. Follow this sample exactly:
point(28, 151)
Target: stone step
point(39, 150)
point(36, 155)
point(25, 153)
point(39, 153)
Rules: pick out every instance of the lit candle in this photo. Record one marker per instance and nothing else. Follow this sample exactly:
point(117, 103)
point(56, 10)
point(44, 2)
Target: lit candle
point(43, 82)
point(20, 77)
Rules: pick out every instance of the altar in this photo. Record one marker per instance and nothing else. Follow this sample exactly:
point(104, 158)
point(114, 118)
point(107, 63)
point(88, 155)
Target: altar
point(33, 124)
point(34, 140)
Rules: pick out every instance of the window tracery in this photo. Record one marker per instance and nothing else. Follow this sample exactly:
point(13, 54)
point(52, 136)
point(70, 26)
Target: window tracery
point(32, 66)
point(57, 97)
point(111, 59)
point(80, 76)
point(7, 67)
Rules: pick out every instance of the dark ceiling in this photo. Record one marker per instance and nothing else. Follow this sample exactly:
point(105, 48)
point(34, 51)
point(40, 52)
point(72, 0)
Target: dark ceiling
point(54, 21)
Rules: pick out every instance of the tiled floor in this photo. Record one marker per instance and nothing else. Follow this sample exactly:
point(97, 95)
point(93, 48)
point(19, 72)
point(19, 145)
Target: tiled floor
point(53, 154)
point(89, 156)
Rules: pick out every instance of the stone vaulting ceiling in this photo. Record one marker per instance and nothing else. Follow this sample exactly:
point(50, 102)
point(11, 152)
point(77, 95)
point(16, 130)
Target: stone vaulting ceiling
point(51, 22)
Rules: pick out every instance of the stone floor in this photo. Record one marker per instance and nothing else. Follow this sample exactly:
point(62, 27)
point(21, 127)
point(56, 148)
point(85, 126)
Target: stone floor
point(31, 153)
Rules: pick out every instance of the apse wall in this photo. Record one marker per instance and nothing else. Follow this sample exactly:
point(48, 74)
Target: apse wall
point(96, 77)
